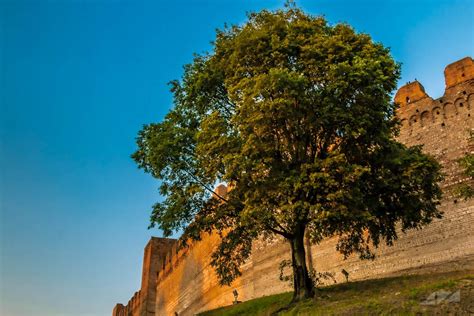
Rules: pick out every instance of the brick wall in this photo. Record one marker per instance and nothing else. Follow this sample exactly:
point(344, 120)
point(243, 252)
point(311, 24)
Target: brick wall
point(143, 301)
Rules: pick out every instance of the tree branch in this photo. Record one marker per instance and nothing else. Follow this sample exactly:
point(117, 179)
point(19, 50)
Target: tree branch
point(279, 232)
point(205, 186)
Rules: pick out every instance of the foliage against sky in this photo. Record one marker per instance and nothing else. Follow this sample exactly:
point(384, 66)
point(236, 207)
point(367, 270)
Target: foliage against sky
point(296, 116)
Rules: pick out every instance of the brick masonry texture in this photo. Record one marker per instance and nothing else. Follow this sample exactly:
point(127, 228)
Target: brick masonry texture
point(183, 282)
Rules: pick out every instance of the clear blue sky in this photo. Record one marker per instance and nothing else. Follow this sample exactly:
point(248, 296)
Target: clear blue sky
point(77, 81)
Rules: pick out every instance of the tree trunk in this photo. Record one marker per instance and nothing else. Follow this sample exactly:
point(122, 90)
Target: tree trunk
point(302, 283)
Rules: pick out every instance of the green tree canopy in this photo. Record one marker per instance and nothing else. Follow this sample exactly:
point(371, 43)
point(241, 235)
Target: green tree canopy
point(296, 116)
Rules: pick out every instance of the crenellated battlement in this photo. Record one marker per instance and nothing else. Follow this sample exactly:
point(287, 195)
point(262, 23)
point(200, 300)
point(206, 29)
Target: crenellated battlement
point(132, 307)
point(418, 111)
point(459, 71)
point(143, 301)
point(410, 93)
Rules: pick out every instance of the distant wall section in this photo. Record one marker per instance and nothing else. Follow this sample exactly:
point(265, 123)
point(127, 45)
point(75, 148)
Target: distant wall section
point(143, 301)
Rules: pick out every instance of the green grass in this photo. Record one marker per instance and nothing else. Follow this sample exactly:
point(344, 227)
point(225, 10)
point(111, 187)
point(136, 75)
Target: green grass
point(387, 296)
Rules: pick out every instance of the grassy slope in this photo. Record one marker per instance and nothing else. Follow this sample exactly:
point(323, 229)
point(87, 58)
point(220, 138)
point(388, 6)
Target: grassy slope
point(397, 295)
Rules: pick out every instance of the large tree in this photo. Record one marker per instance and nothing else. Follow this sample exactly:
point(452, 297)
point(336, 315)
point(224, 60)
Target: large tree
point(295, 115)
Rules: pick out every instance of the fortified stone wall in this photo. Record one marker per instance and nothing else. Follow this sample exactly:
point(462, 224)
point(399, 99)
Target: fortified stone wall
point(143, 301)
point(186, 283)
